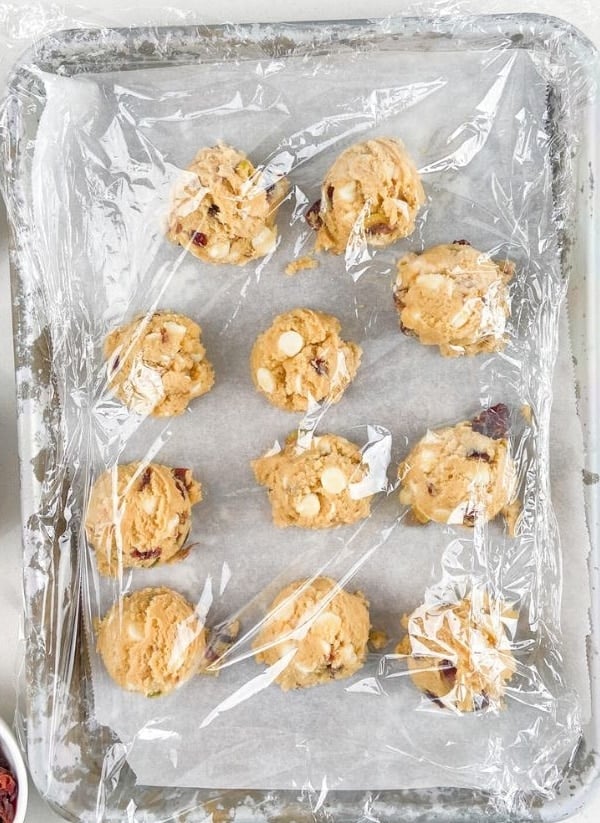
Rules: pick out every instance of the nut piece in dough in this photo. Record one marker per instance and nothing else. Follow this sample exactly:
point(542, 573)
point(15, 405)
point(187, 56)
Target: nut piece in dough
point(459, 654)
point(151, 641)
point(311, 487)
point(462, 474)
point(372, 192)
point(140, 515)
point(301, 358)
point(224, 209)
point(333, 647)
point(158, 364)
point(454, 297)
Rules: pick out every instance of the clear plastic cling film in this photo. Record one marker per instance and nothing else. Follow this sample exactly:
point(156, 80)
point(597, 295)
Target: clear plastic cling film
point(287, 310)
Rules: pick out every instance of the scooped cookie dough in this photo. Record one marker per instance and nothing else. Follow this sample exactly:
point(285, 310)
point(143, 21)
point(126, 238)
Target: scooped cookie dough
point(454, 297)
point(372, 192)
point(151, 641)
point(312, 487)
point(335, 645)
point(140, 515)
point(158, 364)
point(462, 474)
point(459, 654)
point(301, 359)
point(224, 210)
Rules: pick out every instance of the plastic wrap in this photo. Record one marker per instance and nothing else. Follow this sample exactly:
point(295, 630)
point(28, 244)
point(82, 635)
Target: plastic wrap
point(98, 129)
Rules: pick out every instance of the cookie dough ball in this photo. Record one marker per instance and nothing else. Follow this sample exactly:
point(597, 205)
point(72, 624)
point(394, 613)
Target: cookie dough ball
point(301, 358)
point(151, 641)
point(462, 474)
point(224, 210)
point(311, 486)
point(335, 645)
point(454, 297)
point(459, 654)
point(140, 515)
point(158, 364)
point(372, 191)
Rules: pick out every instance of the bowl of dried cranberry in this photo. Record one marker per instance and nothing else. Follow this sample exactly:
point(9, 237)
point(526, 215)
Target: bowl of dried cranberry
point(13, 778)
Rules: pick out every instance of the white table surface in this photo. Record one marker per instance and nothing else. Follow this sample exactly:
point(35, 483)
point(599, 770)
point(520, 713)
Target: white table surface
point(10, 537)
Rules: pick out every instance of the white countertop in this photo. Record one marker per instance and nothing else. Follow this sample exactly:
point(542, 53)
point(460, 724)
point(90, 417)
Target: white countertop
point(10, 537)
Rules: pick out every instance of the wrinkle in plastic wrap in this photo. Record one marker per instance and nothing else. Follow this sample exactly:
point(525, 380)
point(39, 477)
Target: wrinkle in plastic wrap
point(109, 149)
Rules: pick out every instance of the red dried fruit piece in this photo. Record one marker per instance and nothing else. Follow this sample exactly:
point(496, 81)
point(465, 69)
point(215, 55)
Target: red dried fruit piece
point(149, 554)
point(398, 295)
point(380, 228)
point(320, 366)
point(431, 489)
point(475, 455)
point(198, 238)
point(145, 479)
point(330, 191)
point(460, 243)
point(492, 422)
point(181, 476)
point(405, 330)
point(213, 210)
point(8, 796)
point(313, 216)
point(448, 670)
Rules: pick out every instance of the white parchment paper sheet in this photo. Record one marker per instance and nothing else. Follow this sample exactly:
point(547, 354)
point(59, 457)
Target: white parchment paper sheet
point(109, 148)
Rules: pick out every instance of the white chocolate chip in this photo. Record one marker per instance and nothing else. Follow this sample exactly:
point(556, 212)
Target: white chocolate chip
point(433, 282)
point(265, 380)
point(175, 330)
point(464, 314)
point(264, 242)
point(149, 504)
point(290, 343)
point(308, 506)
point(346, 192)
point(135, 632)
point(328, 624)
point(334, 480)
point(173, 523)
point(218, 250)
point(197, 357)
point(402, 207)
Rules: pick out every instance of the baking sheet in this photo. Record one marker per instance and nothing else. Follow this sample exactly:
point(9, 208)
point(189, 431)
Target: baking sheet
point(475, 124)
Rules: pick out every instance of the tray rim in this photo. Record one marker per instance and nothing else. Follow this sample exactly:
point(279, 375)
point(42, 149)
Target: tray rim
point(576, 37)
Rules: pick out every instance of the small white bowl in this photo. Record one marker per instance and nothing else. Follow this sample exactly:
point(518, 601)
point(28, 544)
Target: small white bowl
point(14, 758)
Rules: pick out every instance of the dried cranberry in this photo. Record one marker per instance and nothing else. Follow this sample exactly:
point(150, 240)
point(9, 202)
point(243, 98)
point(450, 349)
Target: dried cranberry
point(213, 210)
point(330, 191)
point(460, 243)
point(405, 330)
point(448, 670)
point(319, 365)
point(398, 297)
point(469, 518)
point(313, 216)
point(116, 361)
point(149, 554)
point(211, 654)
point(431, 489)
point(475, 455)
point(492, 422)
point(434, 699)
point(199, 238)
point(380, 228)
point(145, 481)
point(180, 476)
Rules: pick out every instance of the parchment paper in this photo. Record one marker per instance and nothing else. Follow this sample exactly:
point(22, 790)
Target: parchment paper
point(108, 151)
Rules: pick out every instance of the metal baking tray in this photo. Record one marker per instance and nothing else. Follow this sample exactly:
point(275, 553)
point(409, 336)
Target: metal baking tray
point(80, 767)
